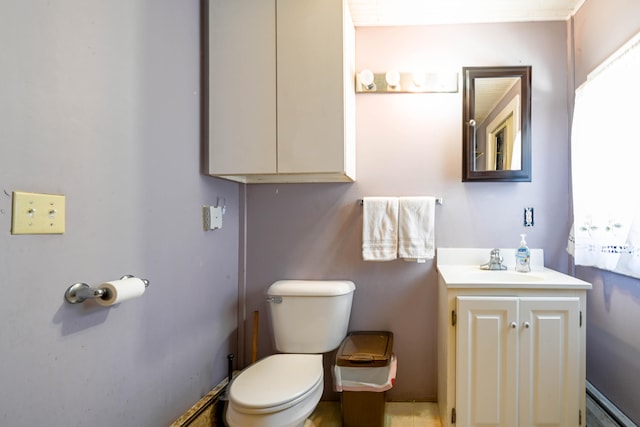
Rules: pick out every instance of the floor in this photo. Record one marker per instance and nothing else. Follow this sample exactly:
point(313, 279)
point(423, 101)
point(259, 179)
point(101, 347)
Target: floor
point(425, 414)
point(397, 414)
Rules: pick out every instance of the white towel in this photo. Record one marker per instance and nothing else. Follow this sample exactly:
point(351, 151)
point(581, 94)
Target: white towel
point(380, 228)
point(416, 228)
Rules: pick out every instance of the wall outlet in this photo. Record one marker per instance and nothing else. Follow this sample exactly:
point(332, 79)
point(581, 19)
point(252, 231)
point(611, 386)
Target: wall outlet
point(34, 213)
point(528, 217)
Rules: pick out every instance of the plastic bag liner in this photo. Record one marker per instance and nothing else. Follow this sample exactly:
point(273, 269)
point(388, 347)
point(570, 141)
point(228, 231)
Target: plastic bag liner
point(378, 379)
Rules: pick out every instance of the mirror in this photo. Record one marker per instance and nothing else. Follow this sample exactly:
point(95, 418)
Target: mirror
point(496, 128)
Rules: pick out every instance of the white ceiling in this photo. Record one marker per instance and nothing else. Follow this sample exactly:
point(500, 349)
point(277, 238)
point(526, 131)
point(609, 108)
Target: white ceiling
point(426, 12)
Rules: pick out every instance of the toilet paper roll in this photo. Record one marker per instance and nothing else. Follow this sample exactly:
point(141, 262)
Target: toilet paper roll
point(118, 291)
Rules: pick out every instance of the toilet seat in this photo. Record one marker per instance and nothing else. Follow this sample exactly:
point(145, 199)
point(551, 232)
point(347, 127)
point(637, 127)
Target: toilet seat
point(276, 383)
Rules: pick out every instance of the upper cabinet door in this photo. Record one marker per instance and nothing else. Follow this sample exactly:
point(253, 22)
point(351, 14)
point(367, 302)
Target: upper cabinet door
point(241, 71)
point(316, 94)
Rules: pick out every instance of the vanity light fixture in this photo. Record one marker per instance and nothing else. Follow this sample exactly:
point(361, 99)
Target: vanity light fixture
point(394, 81)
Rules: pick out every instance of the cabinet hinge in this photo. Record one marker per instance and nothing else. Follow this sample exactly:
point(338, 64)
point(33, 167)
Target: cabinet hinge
point(579, 417)
point(454, 318)
point(581, 318)
point(453, 415)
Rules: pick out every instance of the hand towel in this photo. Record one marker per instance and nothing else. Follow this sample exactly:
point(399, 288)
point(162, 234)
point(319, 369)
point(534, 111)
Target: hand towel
point(416, 228)
point(380, 228)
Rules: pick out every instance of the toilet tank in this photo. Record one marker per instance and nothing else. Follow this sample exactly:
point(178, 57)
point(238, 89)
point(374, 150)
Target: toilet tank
point(309, 316)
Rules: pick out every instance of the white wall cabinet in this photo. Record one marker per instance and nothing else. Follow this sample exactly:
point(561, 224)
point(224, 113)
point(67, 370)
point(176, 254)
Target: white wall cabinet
point(281, 97)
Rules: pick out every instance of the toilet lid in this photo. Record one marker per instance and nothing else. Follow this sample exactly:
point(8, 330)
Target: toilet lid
point(276, 382)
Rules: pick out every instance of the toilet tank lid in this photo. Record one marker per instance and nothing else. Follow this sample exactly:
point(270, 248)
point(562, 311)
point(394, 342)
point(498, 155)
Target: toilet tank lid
point(311, 287)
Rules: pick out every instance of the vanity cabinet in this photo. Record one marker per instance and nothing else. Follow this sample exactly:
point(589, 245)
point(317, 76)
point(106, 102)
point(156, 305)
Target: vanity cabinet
point(281, 96)
point(511, 346)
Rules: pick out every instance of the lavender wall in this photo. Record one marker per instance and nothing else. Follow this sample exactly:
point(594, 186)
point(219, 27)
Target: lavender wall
point(613, 343)
point(410, 144)
point(99, 101)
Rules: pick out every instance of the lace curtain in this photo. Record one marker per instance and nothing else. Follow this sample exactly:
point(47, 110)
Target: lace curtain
point(605, 161)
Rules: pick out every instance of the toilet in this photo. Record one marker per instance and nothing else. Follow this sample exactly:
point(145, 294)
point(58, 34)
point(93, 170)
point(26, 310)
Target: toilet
point(308, 318)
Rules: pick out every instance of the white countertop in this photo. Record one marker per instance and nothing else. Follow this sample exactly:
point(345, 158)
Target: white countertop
point(460, 267)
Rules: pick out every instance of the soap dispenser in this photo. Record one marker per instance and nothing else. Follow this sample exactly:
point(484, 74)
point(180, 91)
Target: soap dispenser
point(523, 256)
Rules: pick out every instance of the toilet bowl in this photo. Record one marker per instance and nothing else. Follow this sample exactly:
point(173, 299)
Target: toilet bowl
point(278, 391)
point(308, 318)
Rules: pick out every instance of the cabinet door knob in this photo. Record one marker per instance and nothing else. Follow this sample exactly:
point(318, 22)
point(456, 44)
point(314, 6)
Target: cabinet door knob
point(526, 325)
point(514, 325)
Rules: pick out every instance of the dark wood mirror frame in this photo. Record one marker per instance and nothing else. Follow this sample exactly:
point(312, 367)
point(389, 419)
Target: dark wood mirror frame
point(469, 172)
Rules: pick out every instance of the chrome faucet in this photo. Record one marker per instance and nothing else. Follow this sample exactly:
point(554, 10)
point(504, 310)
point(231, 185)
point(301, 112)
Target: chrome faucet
point(495, 262)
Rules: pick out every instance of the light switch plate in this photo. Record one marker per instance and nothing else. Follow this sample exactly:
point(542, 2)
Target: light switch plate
point(34, 213)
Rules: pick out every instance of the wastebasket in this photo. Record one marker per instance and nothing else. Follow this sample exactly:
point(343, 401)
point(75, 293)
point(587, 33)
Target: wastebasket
point(365, 369)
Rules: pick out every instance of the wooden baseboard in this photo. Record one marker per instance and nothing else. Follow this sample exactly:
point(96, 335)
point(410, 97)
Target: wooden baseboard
point(206, 412)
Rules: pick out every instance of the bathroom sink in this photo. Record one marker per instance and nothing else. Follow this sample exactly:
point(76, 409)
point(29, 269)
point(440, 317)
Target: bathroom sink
point(477, 275)
point(461, 268)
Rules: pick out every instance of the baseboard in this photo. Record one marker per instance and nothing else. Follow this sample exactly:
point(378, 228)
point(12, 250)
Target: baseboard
point(614, 413)
point(206, 411)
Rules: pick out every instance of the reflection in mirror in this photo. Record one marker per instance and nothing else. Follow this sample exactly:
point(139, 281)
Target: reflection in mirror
point(496, 125)
point(497, 129)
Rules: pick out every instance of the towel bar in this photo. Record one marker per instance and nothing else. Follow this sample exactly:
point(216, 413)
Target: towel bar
point(439, 201)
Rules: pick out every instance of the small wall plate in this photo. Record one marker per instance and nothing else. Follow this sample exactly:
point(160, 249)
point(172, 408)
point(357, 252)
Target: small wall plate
point(528, 217)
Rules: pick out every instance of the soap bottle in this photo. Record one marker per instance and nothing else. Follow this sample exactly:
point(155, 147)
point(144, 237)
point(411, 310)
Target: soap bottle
point(523, 256)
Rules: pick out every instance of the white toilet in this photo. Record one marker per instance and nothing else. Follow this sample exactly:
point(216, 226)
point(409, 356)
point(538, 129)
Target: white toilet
point(308, 317)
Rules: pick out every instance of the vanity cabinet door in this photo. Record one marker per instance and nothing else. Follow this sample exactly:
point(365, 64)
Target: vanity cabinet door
point(549, 361)
point(486, 361)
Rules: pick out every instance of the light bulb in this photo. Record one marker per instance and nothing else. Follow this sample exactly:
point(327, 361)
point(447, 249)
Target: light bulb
point(419, 78)
point(393, 78)
point(366, 79)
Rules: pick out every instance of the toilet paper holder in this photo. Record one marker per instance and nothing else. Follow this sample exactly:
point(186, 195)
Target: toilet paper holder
point(79, 292)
